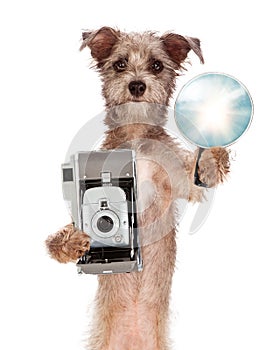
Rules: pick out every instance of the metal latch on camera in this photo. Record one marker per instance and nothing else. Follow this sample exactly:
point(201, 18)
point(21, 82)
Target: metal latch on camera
point(106, 178)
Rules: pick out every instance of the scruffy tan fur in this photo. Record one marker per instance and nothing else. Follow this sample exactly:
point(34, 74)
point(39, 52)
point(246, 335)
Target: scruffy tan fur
point(132, 309)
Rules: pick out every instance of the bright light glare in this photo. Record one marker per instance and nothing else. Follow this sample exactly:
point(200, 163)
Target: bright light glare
point(213, 116)
point(213, 109)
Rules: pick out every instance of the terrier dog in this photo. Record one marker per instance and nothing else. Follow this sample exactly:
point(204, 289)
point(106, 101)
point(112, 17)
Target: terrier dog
point(138, 73)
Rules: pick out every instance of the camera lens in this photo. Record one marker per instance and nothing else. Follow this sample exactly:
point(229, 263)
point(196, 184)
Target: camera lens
point(105, 224)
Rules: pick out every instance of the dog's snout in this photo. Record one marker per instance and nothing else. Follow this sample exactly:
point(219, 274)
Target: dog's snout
point(137, 88)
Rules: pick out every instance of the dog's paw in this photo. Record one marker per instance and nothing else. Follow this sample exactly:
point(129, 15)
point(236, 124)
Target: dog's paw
point(213, 166)
point(68, 244)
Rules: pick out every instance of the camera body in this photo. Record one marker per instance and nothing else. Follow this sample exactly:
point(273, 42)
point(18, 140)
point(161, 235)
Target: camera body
point(101, 191)
point(105, 216)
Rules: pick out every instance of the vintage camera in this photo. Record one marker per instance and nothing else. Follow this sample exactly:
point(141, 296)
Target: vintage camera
point(101, 191)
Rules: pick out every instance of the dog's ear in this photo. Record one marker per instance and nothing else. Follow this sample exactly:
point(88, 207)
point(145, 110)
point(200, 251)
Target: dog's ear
point(178, 47)
point(100, 42)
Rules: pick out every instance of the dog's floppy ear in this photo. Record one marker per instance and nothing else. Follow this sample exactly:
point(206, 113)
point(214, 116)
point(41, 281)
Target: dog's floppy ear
point(100, 42)
point(178, 47)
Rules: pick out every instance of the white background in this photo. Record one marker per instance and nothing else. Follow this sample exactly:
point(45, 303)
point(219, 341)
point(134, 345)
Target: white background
point(226, 292)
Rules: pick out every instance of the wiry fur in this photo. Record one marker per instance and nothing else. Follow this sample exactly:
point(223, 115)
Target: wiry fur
point(132, 309)
point(68, 244)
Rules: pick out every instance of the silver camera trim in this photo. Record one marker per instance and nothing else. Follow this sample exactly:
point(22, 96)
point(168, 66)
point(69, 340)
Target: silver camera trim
point(111, 199)
point(106, 170)
point(115, 219)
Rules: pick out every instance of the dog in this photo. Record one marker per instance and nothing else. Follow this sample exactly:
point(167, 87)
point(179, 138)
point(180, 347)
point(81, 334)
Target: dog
point(138, 73)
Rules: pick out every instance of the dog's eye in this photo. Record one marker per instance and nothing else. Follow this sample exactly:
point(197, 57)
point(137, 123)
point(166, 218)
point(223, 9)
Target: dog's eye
point(120, 65)
point(157, 66)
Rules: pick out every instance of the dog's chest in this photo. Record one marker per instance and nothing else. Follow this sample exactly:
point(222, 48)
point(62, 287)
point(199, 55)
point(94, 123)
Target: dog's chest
point(147, 188)
point(156, 163)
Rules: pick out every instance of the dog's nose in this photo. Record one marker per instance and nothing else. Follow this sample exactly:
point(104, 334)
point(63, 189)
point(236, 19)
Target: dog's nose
point(137, 88)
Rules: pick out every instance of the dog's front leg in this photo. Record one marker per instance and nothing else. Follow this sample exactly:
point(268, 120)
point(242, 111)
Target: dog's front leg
point(68, 244)
point(213, 166)
point(212, 169)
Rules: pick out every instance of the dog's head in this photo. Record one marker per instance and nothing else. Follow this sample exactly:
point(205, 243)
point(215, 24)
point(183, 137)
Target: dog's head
point(138, 67)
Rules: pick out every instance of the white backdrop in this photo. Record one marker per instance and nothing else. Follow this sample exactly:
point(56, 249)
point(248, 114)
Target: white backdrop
point(226, 287)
